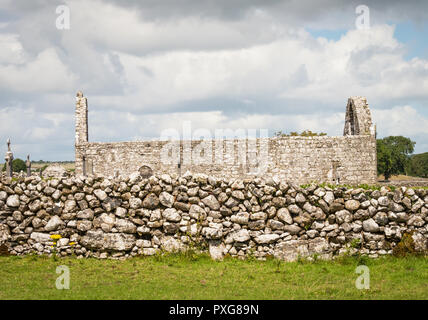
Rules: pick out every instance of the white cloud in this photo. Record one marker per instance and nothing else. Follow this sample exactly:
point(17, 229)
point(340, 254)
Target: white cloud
point(299, 68)
point(14, 122)
point(42, 135)
point(149, 126)
point(147, 66)
point(401, 120)
point(45, 73)
point(12, 51)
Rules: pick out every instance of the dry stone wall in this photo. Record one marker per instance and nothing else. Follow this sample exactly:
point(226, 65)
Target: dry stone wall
point(119, 218)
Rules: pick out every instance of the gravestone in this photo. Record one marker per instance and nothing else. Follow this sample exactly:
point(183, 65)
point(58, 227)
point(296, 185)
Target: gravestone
point(9, 160)
point(28, 164)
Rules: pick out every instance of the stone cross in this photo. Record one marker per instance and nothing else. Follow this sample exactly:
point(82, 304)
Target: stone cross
point(28, 164)
point(9, 160)
point(6, 159)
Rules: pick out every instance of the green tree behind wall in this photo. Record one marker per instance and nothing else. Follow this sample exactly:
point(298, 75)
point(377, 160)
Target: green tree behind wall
point(17, 165)
point(418, 165)
point(393, 155)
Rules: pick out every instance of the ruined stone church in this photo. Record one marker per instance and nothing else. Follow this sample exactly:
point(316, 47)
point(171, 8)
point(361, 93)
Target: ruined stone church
point(347, 159)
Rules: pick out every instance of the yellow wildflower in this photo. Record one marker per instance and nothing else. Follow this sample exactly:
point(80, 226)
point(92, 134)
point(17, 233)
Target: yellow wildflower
point(56, 236)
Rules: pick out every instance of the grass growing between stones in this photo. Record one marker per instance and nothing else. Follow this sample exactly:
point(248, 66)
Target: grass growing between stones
point(177, 276)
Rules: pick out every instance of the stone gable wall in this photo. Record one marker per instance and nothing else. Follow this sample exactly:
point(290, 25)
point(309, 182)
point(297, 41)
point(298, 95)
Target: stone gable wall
point(121, 218)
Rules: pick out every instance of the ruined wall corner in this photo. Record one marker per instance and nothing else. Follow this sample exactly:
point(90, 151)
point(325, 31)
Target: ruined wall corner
point(81, 136)
point(358, 120)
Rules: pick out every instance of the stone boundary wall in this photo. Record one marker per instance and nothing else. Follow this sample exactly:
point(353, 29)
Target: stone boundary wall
point(102, 218)
point(405, 183)
point(351, 159)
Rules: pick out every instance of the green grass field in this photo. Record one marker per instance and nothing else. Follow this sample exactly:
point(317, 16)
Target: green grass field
point(199, 277)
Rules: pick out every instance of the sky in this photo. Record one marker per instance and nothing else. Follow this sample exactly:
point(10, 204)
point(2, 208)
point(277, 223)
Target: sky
point(150, 66)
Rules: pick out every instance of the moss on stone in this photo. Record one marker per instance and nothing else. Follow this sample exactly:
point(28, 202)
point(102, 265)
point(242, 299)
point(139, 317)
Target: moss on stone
point(406, 246)
point(4, 251)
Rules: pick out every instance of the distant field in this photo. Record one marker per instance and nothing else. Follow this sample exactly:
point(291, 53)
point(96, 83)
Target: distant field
point(66, 165)
point(402, 177)
point(69, 166)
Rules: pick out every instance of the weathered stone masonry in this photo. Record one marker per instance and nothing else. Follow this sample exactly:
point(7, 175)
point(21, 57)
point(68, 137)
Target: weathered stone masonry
point(121, 218)
point(132, 214)
point(349, 159)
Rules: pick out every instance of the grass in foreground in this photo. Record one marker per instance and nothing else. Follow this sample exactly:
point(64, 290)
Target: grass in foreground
point(180, 277)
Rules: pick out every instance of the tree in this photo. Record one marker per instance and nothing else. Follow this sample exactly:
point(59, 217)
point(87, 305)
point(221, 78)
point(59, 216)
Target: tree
point(384, 159)
point(393, 155)
point(418, 165)
point(17, 165)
